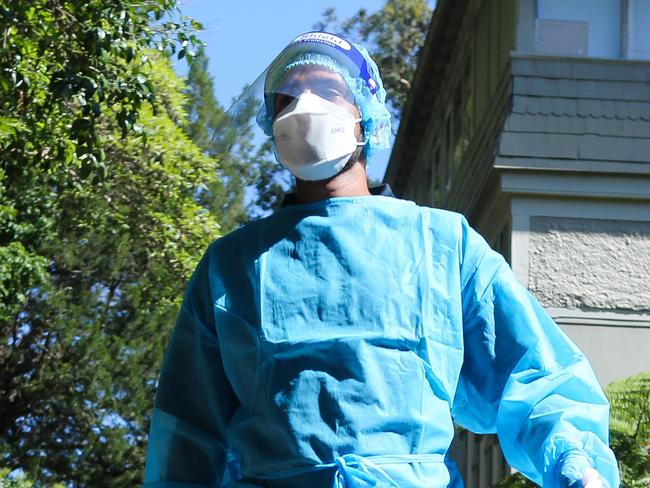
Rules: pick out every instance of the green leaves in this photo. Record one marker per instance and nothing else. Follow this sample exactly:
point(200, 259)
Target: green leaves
point(100, 228)
point(73, 56)
point(630, 400)
point(18, 480)
point(630, 428)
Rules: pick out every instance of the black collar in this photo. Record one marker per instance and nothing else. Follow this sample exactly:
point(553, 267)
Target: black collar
point(383, 190)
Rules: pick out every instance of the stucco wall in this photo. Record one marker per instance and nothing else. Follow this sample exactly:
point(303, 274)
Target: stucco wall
point(590, 264)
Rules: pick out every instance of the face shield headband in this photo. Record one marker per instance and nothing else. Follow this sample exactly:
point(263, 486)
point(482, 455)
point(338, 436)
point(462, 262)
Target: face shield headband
point(346, 49)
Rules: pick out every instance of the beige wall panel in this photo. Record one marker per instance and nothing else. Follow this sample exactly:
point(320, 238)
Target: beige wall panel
point(614, 352)
point(590, 264)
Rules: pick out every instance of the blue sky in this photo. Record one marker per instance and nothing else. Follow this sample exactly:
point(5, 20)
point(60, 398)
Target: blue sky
point(243, 36)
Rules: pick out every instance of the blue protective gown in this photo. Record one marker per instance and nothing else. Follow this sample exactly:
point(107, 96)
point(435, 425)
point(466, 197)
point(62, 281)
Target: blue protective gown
point(334, 344)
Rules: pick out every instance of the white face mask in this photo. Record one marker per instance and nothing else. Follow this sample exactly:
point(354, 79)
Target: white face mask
point(314, 138)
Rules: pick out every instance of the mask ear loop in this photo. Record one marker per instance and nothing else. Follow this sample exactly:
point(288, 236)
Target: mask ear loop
point(358, 152)
point(358, 121)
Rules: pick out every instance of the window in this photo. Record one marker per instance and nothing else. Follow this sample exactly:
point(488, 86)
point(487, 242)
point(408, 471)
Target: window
point(562, 37)
point(458, 126)
point(579, 27)
point(638, 29)
point(437, 177)
point(462, 116)
point(449, 148)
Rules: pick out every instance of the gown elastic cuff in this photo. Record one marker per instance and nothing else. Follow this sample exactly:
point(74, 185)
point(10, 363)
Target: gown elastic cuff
point(572, 465)
point(569, 457)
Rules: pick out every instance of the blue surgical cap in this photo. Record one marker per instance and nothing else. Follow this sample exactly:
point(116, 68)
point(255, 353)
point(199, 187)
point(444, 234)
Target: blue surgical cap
point(369, 97)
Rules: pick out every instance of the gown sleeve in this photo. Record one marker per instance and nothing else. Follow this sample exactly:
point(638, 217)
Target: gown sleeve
point(524, 379)
point(194, 401)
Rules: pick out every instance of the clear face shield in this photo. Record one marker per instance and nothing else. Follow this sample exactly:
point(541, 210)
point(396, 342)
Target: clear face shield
point(319, 104)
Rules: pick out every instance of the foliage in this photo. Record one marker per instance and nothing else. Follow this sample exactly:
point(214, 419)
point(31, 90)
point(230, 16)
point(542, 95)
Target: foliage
point(630, 428)
point(630, 401)
point(10, 480)
point(68, 58)
point(516, 480)
point(100, 227)
point(394, 36)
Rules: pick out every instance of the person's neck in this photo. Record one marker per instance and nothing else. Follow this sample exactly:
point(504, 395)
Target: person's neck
point(350, 183)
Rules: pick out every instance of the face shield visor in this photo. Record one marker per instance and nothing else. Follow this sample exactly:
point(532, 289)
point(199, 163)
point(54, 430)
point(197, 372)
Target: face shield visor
point(316, 74)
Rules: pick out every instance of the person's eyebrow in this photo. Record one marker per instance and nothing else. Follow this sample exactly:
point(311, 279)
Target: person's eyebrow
point(287, 85)
point(336, 84)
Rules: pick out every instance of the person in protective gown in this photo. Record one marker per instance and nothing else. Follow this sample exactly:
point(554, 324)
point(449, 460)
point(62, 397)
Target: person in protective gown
point(335, 342)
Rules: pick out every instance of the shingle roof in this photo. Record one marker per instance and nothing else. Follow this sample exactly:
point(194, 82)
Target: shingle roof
point(578, 109)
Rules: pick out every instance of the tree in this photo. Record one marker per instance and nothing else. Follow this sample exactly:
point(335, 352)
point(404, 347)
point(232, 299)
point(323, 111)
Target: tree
point(100, 227)
point(394, 36)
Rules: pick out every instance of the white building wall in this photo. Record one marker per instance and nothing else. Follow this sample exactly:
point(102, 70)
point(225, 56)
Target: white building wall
point(588, 263)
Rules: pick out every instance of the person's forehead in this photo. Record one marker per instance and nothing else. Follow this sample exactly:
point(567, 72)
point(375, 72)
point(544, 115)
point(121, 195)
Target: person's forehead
point(311, 75)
